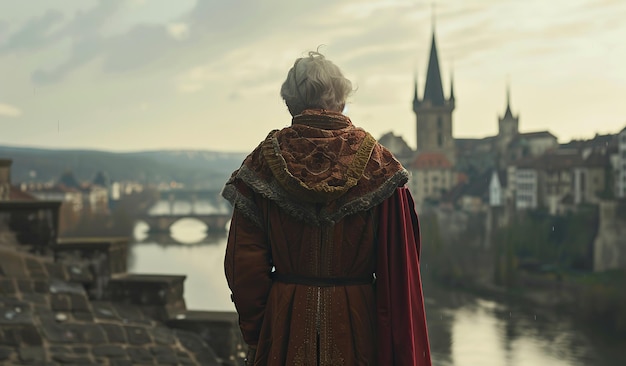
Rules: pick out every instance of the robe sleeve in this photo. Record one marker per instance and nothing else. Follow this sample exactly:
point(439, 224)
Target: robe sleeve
point(247, 265)
point(401, 318)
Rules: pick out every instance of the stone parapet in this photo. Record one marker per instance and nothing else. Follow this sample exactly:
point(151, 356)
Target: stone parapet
point(35, 224)
point(102, 257)
point(219, 329)
point(159, 295)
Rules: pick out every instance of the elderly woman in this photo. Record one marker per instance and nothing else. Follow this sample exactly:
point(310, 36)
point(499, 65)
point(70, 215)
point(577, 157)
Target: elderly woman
point(323, 249)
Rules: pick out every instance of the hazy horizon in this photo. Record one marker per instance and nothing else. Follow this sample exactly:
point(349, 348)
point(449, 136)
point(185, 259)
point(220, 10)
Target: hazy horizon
point(137, 75)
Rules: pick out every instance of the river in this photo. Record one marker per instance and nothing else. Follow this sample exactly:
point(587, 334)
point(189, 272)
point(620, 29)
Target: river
point(464, 330)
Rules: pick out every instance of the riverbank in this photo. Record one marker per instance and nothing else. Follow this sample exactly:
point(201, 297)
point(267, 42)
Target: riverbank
point(593, 301)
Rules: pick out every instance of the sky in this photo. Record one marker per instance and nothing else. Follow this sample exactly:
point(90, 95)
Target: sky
point(130, 75)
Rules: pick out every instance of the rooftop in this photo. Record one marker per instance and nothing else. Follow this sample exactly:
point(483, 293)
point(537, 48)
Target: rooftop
point(429, 160)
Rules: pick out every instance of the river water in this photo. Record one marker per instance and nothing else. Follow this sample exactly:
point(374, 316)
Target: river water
point(464, 330)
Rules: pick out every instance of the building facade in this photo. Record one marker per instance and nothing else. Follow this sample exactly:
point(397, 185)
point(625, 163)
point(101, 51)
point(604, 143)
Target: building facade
point(432, 175)
point(527, 192)
point(590, 178)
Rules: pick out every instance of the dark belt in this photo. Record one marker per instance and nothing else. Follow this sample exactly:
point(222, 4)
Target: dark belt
point(322, 281)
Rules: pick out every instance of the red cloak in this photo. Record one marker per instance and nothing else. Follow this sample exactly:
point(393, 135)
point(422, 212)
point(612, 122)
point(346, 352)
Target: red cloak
point(402, 332)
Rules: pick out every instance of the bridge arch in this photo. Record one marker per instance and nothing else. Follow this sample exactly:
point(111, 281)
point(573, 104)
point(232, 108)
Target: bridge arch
point(215, 223)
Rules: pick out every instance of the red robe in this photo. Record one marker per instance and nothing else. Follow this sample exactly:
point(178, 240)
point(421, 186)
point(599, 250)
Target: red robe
point(321, 202)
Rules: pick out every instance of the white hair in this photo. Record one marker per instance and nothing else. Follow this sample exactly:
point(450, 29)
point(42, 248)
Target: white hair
point(314, 82)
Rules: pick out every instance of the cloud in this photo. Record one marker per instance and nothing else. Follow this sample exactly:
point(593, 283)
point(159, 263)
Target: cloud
point(366, 10)
point(4, 25)
point(83, 29)
point(89, 23)
point(211, 29)
point(142, 45)
point(250, 70)
point(195, 79)
point(35, 33)
point(7, 110)
point(81, 53)
point(178, 31)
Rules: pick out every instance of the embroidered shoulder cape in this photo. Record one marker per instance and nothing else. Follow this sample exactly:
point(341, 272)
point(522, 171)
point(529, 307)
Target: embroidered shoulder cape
point(318, 170)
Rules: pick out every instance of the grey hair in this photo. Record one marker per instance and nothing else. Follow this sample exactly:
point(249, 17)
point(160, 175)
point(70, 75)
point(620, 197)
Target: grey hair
point(315, 82)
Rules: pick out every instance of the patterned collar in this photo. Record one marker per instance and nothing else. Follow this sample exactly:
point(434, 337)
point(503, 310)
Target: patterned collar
point(322, 119)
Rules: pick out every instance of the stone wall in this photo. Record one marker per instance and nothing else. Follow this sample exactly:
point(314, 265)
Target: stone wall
point(72, 302)
point(454, 246)
point(610, 244)
point(34, 224)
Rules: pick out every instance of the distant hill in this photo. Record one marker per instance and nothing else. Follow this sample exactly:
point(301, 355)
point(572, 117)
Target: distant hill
point(195, 168)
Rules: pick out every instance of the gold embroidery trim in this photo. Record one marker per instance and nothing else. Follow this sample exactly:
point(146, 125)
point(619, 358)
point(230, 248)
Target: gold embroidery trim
point(323, 192)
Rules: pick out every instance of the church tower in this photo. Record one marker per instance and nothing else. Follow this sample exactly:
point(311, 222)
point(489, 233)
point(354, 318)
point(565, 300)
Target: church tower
point(434, 112)
point(508, 125)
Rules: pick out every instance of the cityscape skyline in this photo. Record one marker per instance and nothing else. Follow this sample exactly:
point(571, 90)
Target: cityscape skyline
point(132, 75)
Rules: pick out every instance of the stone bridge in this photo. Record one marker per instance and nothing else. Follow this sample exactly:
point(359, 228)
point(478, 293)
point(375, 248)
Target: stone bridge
point(162, 223)
point(206, 206)
point(166, 239)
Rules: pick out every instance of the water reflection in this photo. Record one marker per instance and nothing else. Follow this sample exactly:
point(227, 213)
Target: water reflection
point(187, 250)
point(465, 330)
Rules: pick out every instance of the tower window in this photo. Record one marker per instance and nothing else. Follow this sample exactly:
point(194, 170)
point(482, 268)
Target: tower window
point(439, 131)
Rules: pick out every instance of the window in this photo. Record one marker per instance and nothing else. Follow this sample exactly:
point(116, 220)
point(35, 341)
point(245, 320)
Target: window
point(439, 131)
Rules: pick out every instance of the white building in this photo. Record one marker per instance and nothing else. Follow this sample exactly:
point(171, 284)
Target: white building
point(527, 188)
point(72, 196)
point(496, 191)
point(590, 178)
point(540, 142)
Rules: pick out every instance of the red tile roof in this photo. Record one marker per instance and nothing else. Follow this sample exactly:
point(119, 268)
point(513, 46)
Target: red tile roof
point(17, 194)
point(431, 161)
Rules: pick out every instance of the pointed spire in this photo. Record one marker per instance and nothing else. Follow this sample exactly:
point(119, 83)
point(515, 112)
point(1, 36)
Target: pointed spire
point(416, 98)
point(508, 113)
point(434, 89)
point(451, 85)
point(508, 94)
